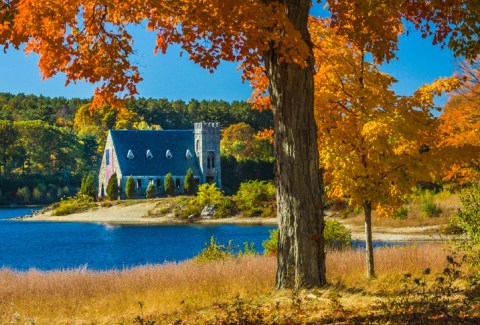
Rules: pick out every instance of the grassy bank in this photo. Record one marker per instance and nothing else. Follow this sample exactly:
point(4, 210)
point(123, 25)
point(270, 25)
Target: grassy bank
point(198, 293)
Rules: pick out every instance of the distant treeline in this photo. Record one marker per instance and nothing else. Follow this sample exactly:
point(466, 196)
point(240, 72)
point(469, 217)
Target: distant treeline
point(48, 144)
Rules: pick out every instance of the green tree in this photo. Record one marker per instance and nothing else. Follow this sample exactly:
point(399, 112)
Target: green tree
point(8, 136)
point(169, 185)
point(88, 187)
point(189, 183)
point(130, 191)
point(151, 191)
point(113, 190)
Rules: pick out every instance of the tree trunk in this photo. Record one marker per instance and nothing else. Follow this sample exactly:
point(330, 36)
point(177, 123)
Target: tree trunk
point(301, 256)
point(367, 207)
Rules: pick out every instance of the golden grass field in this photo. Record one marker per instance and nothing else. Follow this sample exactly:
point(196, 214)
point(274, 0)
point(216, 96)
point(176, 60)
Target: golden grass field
point(196, 292)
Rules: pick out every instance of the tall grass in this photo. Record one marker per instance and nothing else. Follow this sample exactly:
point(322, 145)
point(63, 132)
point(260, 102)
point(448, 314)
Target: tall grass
point(83, 296)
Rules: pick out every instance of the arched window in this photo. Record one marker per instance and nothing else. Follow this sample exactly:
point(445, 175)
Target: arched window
point(130, 154)
point(168, 154)
point(197, 147)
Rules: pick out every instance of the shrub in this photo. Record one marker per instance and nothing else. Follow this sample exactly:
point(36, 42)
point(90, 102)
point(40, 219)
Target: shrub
point(151, 191)
point(430, 209)
point(189, 183)
point(88, 186)
point(469, 220)
point(113, 190)
point(130, 190)
point(271, 244)
point(255, 196)
point(78, 203)
point(401, 213)
point(336, 235)
point(187, 211)
point(215, 251)
point(225, 208)
point(209, 194)
point(169, 185)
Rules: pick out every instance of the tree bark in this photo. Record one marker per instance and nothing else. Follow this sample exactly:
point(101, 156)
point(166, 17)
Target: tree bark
point(301, 256)
point(367, 207)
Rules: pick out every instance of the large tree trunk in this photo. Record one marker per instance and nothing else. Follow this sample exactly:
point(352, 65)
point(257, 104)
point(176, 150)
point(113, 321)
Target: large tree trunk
point(367, 207)
point(301, 256)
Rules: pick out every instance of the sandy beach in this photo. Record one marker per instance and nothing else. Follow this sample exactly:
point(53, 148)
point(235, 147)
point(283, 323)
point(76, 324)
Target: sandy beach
point(138, 213)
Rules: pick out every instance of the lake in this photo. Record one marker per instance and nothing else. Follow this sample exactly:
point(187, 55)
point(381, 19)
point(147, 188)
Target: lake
point(65, 245)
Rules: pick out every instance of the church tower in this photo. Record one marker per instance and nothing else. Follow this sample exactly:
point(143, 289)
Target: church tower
point(207, 149)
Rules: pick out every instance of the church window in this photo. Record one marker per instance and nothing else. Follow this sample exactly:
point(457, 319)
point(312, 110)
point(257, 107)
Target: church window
point(198, 145)
point(149, 154)
point(188, 154)
point(130, 154)
point(107, 157)
point(139, 183)
point(168, 154)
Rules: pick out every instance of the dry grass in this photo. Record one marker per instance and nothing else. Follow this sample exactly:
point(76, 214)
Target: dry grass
point(81, 296)
point(448, 203)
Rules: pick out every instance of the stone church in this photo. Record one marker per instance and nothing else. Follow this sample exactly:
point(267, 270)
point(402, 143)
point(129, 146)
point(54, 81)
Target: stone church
point(148, 156)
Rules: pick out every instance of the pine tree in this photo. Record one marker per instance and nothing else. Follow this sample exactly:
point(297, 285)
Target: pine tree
point(189, 183)
point(130, 191)
point(113, 190)
point(88, 186)
point(151, 191)
point(169, 185)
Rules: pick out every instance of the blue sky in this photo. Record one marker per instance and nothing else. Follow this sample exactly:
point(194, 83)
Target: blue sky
point(174, 77)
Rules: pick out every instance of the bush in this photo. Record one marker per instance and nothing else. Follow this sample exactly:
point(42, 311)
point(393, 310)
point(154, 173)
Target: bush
point(430, 209)
point(187, 211)
point(401, 213)
point(254, 197)
point(189, 183)
point(209, 194)
point(151, 191)
point(130, 190)
point(336, 235)
point(215, 252)
point(78, 203)
point(271, 244)
point(113, 191)
point(225, 208)
point(88, 186)
point(469, 220)
point(169, 185)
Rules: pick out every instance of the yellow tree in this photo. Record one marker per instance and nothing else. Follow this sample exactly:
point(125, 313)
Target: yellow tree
point(89, 40)
point(374, 145)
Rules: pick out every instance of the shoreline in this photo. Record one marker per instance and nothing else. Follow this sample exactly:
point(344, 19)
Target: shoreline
point(138, 213)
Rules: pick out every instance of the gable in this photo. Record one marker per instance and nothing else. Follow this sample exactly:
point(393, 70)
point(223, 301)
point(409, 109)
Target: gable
point(149, 151)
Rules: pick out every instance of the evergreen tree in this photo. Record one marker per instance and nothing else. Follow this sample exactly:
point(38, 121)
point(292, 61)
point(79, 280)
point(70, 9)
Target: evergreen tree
point(113, 190)
point(151, 191)
point(189, 183)
point(169, 185)
point(88, 186)
point(130, 191)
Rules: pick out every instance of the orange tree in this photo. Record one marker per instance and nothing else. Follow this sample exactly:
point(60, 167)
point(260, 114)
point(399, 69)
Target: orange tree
point(89, 40)
point(374, 145)
point(460, 125)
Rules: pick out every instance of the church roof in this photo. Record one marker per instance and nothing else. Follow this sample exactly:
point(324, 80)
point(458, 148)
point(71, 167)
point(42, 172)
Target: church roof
point(156, 162)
